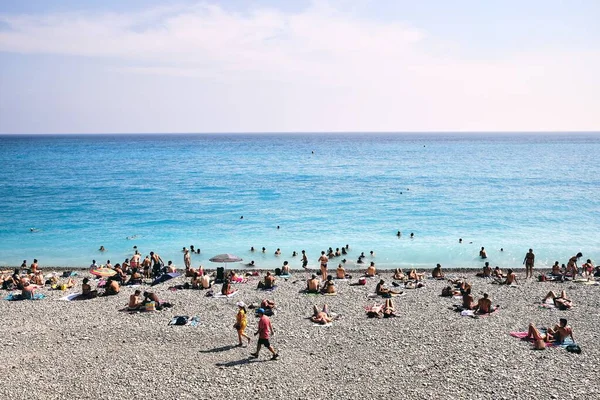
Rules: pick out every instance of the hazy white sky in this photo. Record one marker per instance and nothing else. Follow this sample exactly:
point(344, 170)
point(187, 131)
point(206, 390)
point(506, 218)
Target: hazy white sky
point(299, 66)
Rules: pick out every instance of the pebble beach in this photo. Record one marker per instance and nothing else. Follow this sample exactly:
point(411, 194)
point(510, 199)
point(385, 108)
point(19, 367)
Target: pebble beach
point(54, 349)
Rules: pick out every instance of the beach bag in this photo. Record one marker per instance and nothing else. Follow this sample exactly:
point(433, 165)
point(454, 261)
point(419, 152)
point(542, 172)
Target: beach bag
point(542, 278)
point(362, 281)
point(150, 306)
point(278, 271)
point(181, 320)
point(573, 348)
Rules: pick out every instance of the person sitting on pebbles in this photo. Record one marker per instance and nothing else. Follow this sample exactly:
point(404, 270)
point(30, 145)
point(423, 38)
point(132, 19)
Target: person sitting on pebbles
point(484, 305)
point(498, 273)
point(112, 287)
point(468, 302)
point(487, 271)
point(28, 291)
point(226, 289)
point(312, 284)
point(511, 278)
point(558, 334)
point(561, 302)
point(399, 275)
point(134, 301)
point(371, 271)
point(135, 278)
point(321, 317)
point(414, 276)
point(328, 286)
point(86, 291)
point(340, 273)
point(206, 282)
point(383, 291)
point(437, 272)
point(268, 282)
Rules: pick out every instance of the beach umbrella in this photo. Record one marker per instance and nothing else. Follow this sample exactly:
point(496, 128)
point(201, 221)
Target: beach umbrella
point(103, 272)
point(165, 277)
point(225, 258)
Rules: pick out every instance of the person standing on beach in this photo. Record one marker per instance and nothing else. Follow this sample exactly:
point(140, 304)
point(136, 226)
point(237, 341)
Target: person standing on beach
point(528, 261)
point(187, 259)
point(264, 332)
point(157, 264)
point(323, 260)
point(572, 264)
point(241, 322)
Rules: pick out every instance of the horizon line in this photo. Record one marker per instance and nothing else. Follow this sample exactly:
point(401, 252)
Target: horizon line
point(450, 132)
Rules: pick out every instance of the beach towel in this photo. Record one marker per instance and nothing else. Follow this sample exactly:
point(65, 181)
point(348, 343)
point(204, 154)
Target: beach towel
point(70, 297)
point(330, 294)
point(327, 324)
point(523, 335)
point(268, 289)
point(222, 296)
point(285, 276)
point(184, 320)
point(18, 296)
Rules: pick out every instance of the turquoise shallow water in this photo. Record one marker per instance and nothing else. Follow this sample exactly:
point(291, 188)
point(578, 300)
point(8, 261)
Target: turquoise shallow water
point(170, 191)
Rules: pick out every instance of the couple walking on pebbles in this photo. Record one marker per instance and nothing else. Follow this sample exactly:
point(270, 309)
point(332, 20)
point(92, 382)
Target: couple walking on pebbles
point(264, 332)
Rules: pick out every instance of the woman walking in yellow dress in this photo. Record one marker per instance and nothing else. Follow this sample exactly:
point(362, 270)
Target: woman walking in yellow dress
point(241, 322)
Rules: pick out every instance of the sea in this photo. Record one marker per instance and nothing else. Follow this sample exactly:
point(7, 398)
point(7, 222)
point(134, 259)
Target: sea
point(64, 196)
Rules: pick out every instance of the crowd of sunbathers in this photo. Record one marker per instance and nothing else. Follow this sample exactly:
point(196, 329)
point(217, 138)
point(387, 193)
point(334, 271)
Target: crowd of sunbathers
point(133, 271)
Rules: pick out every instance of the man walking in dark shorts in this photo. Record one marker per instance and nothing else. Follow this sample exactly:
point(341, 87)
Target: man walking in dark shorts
point(265, 330)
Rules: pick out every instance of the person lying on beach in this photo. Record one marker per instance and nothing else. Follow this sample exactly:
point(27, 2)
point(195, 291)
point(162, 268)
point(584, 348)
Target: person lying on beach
point(484, 305)
point(152, 297)
point(399, 275)
point(487, 271)
point(437, 272)
point(268, 282)
point(414, 276)
point(86, 290)
point(561, 302)
point(267, 304)
point(312, 284)
point(226, 289)
point(234, 277)
point(448, 291)
point(328, 286)
point(321, 317)
point(383, 291)
point(558, 334)
point(385, 310)
point(371, 271)
point(135, 302)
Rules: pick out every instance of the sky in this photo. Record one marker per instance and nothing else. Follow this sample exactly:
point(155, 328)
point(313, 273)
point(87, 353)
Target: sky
point(152, 66)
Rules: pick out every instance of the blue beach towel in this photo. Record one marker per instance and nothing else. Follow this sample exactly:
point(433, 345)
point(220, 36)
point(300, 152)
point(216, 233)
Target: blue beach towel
point(18, 296)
